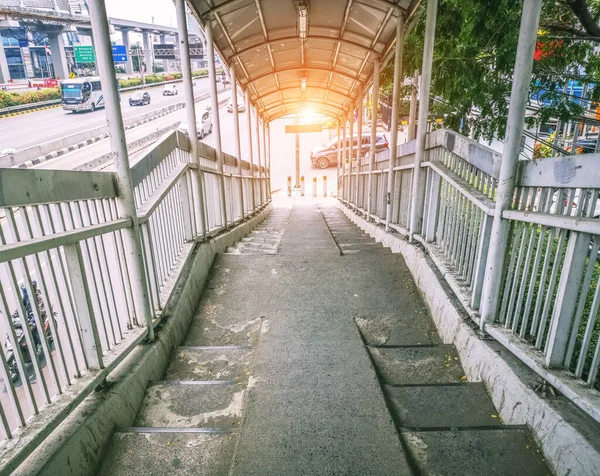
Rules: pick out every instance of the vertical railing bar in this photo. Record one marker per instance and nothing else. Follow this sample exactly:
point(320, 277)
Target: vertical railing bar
point(519, 275)
point(95, 240)
point(107, 216)
point(44, 290)
point(114, 215)
point(20, 365)
point(589, 331)
point(111, 292)
point(57, 288)
point(65, 277)
point(146, 269)
point(87, 258)
point(549, 302)
point(24, 316)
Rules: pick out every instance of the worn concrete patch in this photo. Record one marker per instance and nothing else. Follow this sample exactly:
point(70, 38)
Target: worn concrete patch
point(167, 454)
point(188, 363)
point(191, 406)
point(417, 365)
point(398, 329)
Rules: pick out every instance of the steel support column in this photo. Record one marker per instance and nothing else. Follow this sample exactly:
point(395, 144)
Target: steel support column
point(350, 156)
point(250, 154)
point(260, 161)
point(394, 127)
point(359, 130)
point(118, 145)
point(236, 132)
point(418, 186)
point(372, 152)
point(519, 96)
point(344, 158)
point(339, 156)
point(267, 161)
point(214, 103)
point(268, 148)
point(190, 112)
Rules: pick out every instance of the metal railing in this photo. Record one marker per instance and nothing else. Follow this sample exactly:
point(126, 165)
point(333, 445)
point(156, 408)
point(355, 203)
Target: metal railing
point(67, 314)
point(549, 313)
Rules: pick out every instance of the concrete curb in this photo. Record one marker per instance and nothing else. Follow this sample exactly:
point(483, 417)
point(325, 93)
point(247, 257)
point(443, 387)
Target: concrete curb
point(570, 444)
point(27, 111)
point(77, 446)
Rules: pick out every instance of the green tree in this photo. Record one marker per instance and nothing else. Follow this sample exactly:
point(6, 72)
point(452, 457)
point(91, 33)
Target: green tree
point(474, 56)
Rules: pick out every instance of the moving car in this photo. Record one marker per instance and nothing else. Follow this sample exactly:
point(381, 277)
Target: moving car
point(241, 107)
point(204, 125)
point(325, 155)
point(139, 98)
point(170, 90)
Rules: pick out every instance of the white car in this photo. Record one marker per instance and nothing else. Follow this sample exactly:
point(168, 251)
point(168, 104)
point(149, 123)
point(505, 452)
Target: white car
point(170, 90)
point(204, 125)
point(241, 105)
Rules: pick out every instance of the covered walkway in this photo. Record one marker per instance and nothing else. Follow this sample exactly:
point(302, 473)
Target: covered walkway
point(274, 376)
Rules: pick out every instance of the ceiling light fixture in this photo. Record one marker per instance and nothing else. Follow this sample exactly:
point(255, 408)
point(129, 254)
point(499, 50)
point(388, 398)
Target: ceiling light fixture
point(302, 9)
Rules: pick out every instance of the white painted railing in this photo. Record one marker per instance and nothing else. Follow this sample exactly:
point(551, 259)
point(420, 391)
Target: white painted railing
point(549, 314)
point(61, 241)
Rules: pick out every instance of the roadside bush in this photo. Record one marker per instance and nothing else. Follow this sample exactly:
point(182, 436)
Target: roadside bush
point(169, 77)
point(128, 83)
point(154, 78)
point(17, 99)
point(199, 73)
point(177, 75)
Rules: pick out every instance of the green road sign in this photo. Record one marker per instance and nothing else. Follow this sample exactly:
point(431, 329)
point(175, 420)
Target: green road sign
point(84, 54)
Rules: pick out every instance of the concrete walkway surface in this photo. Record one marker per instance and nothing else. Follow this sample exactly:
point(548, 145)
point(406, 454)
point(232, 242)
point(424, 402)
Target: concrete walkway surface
point(313, 353)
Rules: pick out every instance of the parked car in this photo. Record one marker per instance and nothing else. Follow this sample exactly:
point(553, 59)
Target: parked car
point(170, 90)
point(240, 105)
point(139, 98)
point(326, 155)
point(204, 125)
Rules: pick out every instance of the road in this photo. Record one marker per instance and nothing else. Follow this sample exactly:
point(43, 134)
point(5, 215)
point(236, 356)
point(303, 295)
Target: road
point(27, 130)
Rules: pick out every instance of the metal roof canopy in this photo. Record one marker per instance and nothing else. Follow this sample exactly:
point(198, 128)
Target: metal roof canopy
point(344, 38)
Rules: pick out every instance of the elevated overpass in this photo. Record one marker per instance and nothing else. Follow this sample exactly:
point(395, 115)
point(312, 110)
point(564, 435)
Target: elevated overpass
point(438, 315)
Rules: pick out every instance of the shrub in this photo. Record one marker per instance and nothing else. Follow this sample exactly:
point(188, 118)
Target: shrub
point(17, 99)
point(155, 78)
point(128, 83)
point(199, 73)
point(177, 75)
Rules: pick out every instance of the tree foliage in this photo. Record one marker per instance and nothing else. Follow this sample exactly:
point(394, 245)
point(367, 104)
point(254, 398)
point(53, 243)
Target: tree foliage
point(474, 57)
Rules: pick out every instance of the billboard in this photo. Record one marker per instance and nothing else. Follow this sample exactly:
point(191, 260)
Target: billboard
point(163, 51)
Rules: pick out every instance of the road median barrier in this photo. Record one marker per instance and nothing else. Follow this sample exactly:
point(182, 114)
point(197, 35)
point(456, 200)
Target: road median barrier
point(27, 158)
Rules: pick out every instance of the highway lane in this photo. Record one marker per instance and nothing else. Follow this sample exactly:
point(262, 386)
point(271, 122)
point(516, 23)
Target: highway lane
point(84, 155)
point(27, 130)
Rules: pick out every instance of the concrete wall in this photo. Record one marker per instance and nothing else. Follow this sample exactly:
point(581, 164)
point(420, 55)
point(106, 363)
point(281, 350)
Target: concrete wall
point(77, 446)
point(569, 439)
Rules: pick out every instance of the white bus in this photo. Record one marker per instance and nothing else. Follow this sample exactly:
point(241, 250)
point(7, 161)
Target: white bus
point(81, 94)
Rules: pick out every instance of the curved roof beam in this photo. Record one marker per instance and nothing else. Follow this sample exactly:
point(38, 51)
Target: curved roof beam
point(371, 3)
point(319, 88)
point(276, 105)
point(300, 68)
point(309, 37)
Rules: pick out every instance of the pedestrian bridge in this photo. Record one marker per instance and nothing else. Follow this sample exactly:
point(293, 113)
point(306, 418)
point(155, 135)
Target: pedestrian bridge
point(438, 315)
